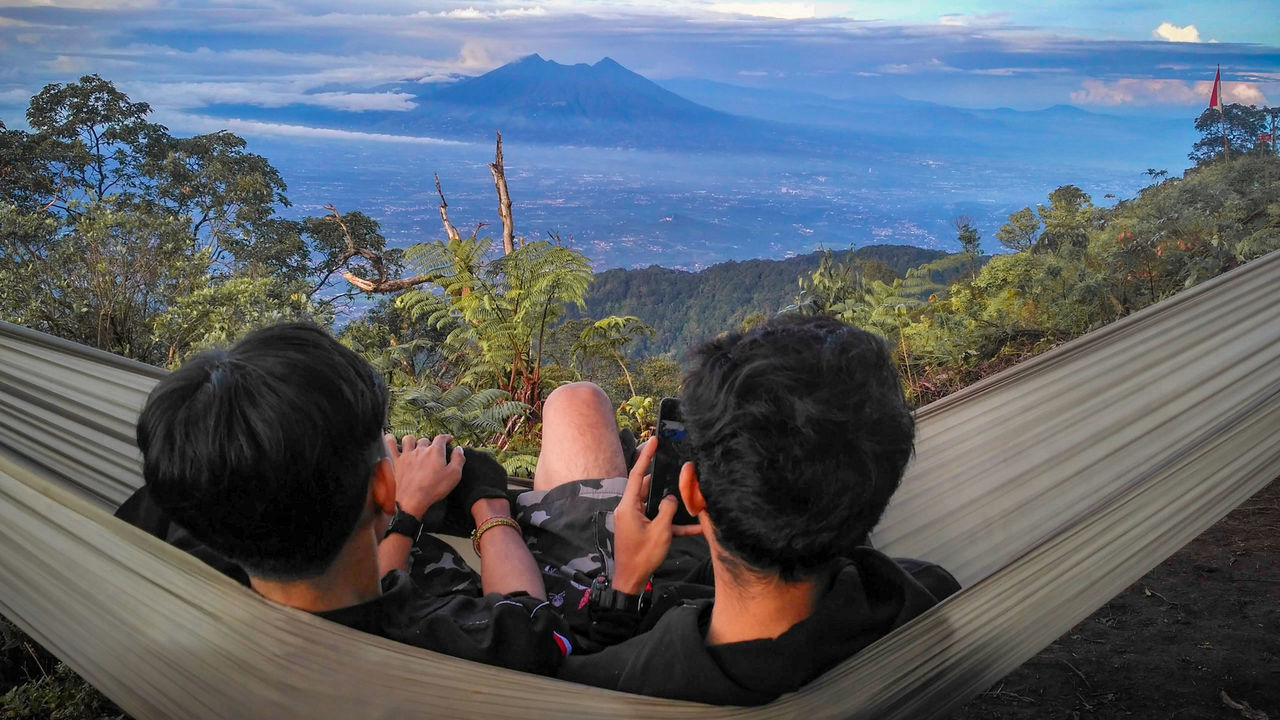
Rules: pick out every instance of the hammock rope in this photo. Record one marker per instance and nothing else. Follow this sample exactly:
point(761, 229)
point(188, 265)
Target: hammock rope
point(1046, 490)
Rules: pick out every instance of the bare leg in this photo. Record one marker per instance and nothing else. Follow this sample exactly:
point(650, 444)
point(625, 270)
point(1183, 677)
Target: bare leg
point(579, 437)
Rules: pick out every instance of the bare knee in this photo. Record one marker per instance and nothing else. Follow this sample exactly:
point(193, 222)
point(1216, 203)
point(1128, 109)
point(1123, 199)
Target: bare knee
point(579, 437)
point(575, 395)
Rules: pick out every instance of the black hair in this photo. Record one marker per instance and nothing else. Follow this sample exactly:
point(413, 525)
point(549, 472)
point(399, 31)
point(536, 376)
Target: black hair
point(800, 433)
point(264, 452)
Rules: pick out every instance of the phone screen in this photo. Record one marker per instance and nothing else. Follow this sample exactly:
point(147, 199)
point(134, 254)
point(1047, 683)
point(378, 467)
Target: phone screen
point(671, 455)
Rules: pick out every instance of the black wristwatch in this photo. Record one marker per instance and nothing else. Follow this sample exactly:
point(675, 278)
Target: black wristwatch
point(603, 597)
point(405, 524)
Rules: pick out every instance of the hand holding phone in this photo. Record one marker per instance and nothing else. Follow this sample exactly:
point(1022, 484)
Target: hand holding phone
point(640, 543)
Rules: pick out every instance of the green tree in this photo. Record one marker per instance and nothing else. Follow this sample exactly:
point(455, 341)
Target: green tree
point(608, 336)
point(230, 197)
point(1066, 219)
point(115, 233)
point(91, 141)
point(969, 239)
point(497, 312)
point(1020, 232)
point(1240, 123)
point(834, 284)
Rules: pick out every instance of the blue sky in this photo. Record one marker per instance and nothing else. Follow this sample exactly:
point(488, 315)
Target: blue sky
point(181, 55)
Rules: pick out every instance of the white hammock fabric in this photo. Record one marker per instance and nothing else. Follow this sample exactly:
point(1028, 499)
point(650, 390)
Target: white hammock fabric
point(1046, 490)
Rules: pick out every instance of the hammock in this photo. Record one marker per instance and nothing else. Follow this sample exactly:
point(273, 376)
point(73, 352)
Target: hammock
point(1046, 490)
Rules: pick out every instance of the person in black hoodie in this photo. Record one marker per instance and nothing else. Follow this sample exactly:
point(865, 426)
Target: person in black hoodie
point(268, 461)
point(799, 435)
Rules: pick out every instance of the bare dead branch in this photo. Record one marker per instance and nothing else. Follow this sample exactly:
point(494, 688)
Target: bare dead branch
point(378, 285)
point(57, 194)
point(384, 286)
point(504, 199)
point(449, 229)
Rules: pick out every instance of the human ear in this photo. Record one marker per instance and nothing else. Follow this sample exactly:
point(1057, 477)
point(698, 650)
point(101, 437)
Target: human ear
point(690, 491)
point(382, 486)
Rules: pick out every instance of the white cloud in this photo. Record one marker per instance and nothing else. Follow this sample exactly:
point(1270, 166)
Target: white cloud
point(83, 4)
point(205, 124)
point(16, 96)
point(776, 10)
point(481, 55)
point(1012, 71)
point(471, 13)
point(79, 65)
point(933, 65)
point(1173, 33)
point(263, 94)
point(979, 20)
point(1147, 91)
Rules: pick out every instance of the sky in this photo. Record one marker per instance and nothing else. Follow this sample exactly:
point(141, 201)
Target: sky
point(1122, 56)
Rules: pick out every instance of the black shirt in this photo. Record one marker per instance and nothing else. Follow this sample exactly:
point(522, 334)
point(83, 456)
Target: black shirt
point(861, 600)
point(517, 631)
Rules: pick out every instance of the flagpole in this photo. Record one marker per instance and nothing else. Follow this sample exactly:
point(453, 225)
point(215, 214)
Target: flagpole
point(1222, 115)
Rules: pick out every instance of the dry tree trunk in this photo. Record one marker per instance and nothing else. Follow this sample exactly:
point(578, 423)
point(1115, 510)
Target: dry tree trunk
point(504, 199)
point(381, 283)
point(449, 229)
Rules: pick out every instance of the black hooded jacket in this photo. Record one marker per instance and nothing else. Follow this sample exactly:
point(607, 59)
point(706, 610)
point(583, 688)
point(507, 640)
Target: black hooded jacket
point(861, 600)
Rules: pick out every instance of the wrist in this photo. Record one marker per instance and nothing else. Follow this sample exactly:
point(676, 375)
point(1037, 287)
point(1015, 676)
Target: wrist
point(625, 582)
point(604, 595)
point(486, 508)
point(414, 507)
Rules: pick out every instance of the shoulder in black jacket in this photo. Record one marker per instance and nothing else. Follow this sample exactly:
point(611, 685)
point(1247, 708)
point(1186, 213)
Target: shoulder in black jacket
point(863, 599)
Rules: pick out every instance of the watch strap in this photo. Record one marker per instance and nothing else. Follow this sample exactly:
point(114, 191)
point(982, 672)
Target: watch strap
point(603, 597)
point(405, 524)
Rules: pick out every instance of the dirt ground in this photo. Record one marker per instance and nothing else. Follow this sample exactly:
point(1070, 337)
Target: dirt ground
point(1205, 623)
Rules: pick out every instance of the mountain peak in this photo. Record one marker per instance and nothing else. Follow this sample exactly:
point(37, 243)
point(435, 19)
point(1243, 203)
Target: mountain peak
point(606, 91)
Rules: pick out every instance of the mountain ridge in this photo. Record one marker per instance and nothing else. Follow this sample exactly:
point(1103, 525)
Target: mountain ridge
point(685, 307)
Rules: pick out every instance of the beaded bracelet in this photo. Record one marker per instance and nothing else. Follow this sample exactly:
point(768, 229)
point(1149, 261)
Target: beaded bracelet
point(489, 524)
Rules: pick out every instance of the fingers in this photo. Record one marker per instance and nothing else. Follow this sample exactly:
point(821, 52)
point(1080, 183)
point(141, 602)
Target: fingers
point(666, 511)
point(408, 443)
point(389, 440)
point(686, 530)
point(459, 458)
point(636, 484)
point(666, 515)
point(440, 441)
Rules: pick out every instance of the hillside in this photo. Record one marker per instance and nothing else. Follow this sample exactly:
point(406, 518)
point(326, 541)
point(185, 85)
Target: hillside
point(685, 307)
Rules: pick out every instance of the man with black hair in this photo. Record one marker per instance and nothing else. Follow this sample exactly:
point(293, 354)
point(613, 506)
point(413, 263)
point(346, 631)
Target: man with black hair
point(271, 455)
point(799, 435)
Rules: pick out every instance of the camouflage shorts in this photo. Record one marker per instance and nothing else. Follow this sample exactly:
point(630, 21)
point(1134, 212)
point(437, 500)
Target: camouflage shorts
point(569, 530)
point(437, 569)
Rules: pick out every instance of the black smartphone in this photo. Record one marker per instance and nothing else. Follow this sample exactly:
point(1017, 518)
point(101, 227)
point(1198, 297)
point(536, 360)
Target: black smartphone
point(671, 455)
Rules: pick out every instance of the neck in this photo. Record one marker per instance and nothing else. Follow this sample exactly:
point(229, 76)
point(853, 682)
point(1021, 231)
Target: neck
point(351, 579)
point(756, 607)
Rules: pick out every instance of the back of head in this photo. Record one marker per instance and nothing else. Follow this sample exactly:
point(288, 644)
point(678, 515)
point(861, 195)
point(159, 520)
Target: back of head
point(264, 452)
point(800, 435)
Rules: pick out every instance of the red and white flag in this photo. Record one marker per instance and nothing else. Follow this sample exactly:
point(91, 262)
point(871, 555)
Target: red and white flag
point(1215, 100)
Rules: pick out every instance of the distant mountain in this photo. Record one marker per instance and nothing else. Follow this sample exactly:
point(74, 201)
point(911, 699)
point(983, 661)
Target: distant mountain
point(535, 100)
point(542, 101)
point(685, 308)
point(605, 104)
point(535, 88)
point(1060, 132)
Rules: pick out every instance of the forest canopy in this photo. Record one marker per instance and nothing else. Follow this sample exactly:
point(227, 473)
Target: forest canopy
point(116, 233)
